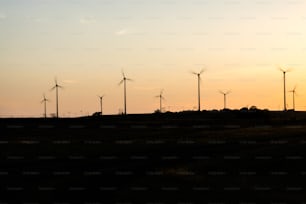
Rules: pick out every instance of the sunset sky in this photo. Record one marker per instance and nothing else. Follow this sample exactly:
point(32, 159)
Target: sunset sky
point(86, 44)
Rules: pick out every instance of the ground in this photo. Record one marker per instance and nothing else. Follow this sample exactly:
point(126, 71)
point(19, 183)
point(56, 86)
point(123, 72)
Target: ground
point(152, 159)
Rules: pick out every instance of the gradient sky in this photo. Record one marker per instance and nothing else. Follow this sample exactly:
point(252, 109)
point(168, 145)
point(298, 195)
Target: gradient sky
point(86, 44)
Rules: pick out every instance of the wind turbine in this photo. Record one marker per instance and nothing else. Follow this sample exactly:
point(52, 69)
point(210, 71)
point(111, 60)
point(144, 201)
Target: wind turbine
point(224, 95)
point(199, 92)
point(124, 79)
point(45, 100)
point(56, 86)
point(160, 96)
point(293, 91)
point(101, 100)
point(284, 76)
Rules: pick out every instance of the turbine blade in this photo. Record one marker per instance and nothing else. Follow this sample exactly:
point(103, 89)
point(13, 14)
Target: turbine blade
point(59, 86)
point(285, 70)
point(129, 79)
point(44, 100)
point(281, 69)
point(121, 82)
point(295, 87)
point(52, 88)
point(192, 72)
point(202, 70)
point(123, 73)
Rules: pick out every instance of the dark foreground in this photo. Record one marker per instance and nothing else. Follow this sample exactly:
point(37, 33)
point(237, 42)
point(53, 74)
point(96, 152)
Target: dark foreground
point(92, 161)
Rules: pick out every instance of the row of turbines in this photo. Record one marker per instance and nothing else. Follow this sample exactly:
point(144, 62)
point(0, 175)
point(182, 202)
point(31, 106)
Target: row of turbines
point(56, 87)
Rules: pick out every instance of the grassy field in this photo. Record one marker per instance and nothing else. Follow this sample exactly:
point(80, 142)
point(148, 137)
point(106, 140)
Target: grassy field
point(154, 159)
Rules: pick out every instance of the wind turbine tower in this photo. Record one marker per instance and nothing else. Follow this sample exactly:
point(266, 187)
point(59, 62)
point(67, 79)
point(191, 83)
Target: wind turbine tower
point(284, 78)
point(45, 100)
point(161, 98)
point(293, 91)
point(224, 96)
point(199, 91)
point(101, 101)
point(56, 86)
point(124, 79)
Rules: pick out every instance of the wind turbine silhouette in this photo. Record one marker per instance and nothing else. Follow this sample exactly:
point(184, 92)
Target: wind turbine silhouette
point(101, 100)
point(224, 95)
point(56, 91)
point(199, 91)
point(124, 79)
point(284, 76)
point(160, 96)
point(45, 100)
point(293, 91)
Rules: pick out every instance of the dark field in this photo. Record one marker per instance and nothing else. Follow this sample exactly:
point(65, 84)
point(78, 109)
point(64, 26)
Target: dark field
point(200, 158)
